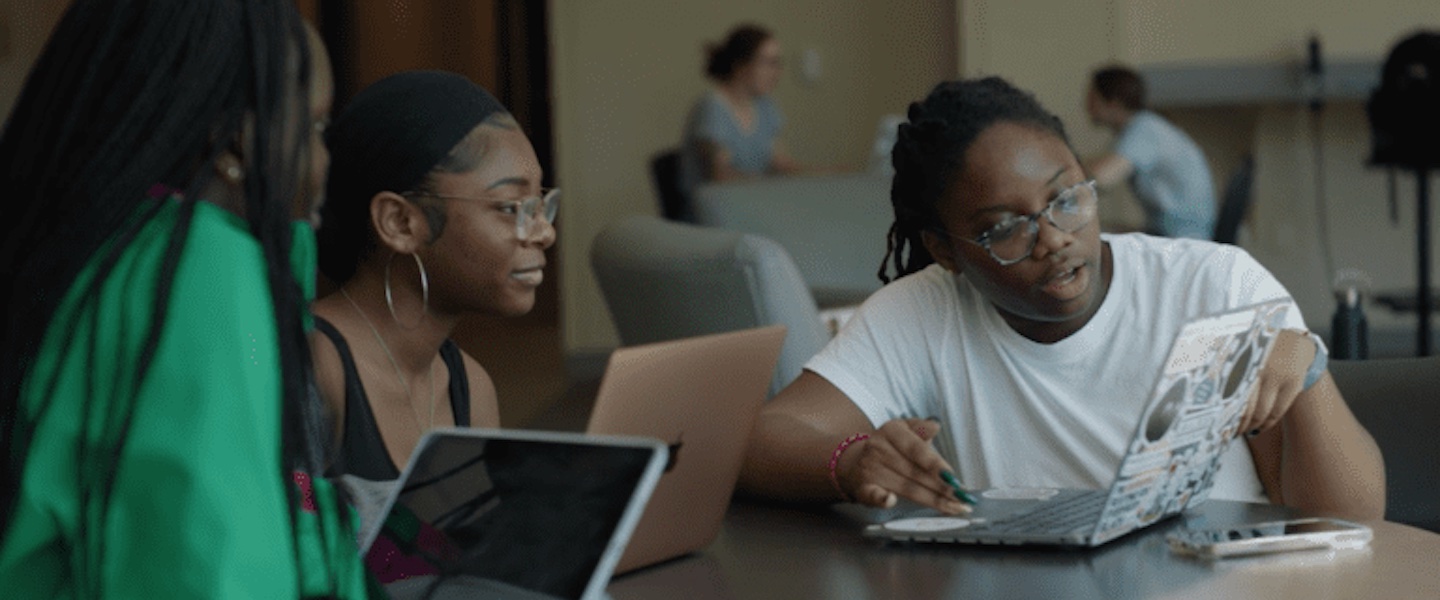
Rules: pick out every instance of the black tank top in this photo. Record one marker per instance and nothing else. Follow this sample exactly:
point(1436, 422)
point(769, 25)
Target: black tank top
point(362, 450)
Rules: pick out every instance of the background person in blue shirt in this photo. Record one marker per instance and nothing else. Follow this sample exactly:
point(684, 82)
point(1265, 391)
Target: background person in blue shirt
point(1166, 170)
point(733, 132)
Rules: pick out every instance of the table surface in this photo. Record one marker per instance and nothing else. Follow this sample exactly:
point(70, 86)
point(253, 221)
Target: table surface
point(769, 551)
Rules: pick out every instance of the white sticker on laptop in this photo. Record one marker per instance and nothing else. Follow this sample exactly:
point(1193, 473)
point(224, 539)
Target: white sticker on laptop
point(1020, 493)
point(926, 524)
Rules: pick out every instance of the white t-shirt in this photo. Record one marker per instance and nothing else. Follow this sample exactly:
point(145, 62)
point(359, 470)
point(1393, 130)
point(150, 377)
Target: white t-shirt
point(1018, 413)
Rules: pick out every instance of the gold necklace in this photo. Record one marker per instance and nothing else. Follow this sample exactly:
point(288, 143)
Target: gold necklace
point(398, 373)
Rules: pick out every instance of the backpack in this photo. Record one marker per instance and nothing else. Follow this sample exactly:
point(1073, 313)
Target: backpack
point(1404, 111)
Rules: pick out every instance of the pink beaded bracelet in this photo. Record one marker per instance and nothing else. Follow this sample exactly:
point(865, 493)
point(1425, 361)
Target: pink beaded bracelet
point(835, 461)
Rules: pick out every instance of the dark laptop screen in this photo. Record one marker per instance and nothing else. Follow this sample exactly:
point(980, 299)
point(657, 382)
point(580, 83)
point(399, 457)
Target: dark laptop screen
point(529, 514)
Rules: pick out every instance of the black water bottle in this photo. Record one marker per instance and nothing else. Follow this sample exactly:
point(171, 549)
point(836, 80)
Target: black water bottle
point(1348, 338)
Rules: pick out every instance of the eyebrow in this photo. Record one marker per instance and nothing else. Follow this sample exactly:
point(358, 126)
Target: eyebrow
point(993, 209)
point(1056, 176)
point(520, 181)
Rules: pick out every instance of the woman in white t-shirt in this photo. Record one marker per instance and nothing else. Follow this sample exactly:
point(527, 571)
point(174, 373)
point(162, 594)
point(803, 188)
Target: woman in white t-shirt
point(1033, 337)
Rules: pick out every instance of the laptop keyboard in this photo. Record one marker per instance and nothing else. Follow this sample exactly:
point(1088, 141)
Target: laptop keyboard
point(1062, 516)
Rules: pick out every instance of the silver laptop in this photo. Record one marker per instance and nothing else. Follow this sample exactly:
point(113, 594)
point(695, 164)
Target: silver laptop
point(511, 514)
point(1198, 399)
point(702, 395)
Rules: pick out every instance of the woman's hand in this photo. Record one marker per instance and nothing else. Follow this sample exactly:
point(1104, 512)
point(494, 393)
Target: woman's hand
point(898, 461)
point(1281, 382)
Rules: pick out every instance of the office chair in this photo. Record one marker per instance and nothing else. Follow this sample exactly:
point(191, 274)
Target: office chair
point(665, 174)
point(1236, 202)
point(1396, 400)
point(664, 280)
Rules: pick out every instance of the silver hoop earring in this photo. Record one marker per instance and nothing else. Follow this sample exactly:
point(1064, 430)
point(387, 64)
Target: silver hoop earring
point(424, 292)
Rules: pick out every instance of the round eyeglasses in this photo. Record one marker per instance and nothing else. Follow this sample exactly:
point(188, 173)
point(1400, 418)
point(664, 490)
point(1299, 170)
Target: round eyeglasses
point(1013, 239)
point(528, 211)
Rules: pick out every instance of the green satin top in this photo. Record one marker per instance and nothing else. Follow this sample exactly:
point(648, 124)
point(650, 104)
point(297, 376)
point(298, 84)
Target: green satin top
point(198, 507)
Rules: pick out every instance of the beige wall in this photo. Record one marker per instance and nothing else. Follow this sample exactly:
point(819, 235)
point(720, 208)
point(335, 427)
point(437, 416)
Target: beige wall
point(24, 27)
point(1050, 46)
point(626, 73)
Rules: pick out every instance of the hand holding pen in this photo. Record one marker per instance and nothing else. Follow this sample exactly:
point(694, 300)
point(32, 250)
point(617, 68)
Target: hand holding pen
point(898, 461)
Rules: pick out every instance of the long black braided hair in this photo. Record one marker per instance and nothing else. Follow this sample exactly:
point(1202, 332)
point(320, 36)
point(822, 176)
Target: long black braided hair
point(128, 94)
point(929, 156)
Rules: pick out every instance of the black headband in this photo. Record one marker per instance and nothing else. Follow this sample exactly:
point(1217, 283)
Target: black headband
point(395, 131)
point(385, 140)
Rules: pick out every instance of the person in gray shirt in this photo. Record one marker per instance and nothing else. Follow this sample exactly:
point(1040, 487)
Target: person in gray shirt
point(1166, 170)
point(733, 130)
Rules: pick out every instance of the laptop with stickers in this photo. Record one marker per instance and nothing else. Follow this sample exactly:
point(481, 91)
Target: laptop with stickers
point(1171, 461)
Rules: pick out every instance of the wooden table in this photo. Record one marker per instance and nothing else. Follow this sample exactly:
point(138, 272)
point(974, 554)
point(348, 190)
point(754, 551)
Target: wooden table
point(767, 551)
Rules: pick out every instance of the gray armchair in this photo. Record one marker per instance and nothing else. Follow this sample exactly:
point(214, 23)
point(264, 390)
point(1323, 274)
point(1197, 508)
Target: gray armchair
point(1398, 401)
point(664, 280)
point(833, 226)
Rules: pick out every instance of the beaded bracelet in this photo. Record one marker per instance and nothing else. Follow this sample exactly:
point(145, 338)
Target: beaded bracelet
point(835, 461)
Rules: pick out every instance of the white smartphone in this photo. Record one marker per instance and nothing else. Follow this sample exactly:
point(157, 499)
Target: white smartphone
point(1273, 536)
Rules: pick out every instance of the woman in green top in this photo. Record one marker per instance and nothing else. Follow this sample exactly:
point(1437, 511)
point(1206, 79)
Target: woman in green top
point(154, 401)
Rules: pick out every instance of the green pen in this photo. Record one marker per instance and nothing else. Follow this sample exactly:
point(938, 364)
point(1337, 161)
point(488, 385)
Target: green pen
point(959, 491)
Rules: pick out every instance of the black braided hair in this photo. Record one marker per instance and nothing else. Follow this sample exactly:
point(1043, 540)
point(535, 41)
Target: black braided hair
point(128, 94)
point(930, 154)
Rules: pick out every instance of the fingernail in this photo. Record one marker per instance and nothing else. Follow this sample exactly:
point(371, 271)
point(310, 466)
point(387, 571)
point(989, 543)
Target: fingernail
point(955, 508)
point(891, 500)
point(935, 419)
point(949, 479)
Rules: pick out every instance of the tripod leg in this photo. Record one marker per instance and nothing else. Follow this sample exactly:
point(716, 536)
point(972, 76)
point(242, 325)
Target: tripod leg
point(1422, 235)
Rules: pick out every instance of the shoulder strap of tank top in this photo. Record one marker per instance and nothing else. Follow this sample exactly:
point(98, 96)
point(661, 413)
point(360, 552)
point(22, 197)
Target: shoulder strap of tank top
point(459, 383)
point(362, 450)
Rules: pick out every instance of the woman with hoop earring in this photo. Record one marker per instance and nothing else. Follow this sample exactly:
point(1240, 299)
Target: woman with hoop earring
point(434, 211)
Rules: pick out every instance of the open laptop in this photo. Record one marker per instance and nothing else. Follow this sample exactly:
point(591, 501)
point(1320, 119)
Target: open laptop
point(511, 514)
point(1170, 464)
point(701, 395)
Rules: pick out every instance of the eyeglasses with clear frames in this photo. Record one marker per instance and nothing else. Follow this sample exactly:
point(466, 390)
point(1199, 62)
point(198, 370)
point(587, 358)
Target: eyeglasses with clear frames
point(528, 211)
point(1013, 239)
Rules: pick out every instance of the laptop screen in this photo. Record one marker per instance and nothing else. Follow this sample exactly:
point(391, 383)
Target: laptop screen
point(537, 515)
